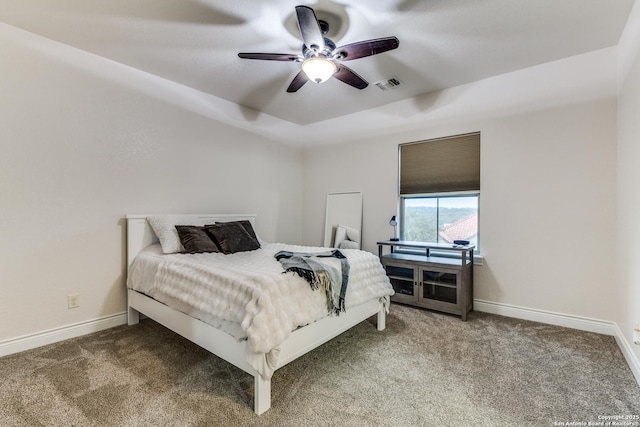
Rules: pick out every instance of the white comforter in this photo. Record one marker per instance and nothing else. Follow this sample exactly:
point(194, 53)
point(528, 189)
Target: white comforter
point(247, 295)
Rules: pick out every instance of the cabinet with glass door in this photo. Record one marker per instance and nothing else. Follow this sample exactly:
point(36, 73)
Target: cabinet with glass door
point(430, 279)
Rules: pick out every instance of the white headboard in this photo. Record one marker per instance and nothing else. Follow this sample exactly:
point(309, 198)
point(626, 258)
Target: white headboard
point(140, 234)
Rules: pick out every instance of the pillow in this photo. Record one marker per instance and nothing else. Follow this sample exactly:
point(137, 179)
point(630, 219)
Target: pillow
point(348, 244)
point(245, 223)
point(232, 237)
point(346, 234)
point(353, 234)
point(195, 239)
point(341, 235)
point(164, 227)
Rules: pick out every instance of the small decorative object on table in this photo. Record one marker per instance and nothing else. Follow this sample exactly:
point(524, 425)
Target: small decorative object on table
point(394, 223)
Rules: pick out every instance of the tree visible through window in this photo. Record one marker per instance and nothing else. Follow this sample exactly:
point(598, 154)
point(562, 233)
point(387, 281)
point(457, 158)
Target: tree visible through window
point(440, 219)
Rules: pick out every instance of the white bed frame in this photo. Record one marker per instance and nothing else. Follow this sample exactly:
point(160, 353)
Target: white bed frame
point(140, 235)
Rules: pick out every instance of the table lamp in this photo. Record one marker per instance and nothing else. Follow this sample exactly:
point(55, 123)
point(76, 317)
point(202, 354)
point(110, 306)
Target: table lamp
point(394, 223)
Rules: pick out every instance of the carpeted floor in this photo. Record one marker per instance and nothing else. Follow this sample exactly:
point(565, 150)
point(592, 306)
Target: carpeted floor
point(425, 369)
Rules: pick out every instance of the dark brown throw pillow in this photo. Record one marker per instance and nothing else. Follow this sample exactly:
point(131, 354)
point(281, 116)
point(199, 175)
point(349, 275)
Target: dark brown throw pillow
point(232, 237)
point(245, 223)
point(195, 239)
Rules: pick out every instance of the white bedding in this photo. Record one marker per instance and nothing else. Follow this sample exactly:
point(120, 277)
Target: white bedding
point(247, 295)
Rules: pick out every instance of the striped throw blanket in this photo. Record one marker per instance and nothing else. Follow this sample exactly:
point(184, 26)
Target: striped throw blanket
point(321, 273)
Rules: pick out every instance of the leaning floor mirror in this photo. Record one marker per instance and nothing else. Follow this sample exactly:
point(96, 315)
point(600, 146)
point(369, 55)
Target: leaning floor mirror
point(343, 220)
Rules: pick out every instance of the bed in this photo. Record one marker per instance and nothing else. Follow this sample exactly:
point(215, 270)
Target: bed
point(221, 340)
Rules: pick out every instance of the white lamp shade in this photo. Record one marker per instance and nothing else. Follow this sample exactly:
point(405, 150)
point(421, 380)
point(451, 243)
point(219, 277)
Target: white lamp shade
point(319, 69)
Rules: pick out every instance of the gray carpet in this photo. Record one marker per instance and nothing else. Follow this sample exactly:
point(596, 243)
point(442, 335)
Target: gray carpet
point(425, 369)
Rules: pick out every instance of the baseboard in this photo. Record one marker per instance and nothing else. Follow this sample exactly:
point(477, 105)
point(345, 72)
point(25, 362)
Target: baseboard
point(629, 354)
point(548, 317)
point(568, 321)
point(27, 342)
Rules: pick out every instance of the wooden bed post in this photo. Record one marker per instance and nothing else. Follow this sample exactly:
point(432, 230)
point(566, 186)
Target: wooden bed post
point(382, 317)
point(133, 316)
point(262, 394)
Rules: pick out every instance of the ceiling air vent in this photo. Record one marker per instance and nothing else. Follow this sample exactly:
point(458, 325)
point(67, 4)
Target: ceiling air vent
point(391, 83)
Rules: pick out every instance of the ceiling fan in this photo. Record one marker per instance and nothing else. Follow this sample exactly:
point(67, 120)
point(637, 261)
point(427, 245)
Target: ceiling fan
point(320, 57)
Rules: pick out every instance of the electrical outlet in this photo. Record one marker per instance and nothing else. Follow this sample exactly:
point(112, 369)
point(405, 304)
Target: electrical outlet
point(73, 301)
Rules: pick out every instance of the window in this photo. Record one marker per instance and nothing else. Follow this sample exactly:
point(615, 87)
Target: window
point(439, 185)
point(439, 218)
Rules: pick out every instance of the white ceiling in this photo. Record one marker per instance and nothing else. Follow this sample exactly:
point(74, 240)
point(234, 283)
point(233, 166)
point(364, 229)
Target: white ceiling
point(443, 43)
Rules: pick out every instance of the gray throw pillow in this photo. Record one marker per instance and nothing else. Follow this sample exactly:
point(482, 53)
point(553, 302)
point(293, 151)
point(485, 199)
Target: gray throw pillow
point(232, 237)
point(195, 239)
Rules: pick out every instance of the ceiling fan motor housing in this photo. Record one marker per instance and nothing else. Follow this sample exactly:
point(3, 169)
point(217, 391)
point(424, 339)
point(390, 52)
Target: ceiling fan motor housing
point(329, 47)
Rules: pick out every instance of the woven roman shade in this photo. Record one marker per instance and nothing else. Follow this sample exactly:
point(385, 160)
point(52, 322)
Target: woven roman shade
point(440, 165)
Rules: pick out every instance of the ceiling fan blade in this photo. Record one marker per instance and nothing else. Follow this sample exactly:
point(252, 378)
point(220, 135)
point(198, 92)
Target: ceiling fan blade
point(365, 48)
point(298, 81)
point(309, 28)
point(271, 56)
point(347, 75)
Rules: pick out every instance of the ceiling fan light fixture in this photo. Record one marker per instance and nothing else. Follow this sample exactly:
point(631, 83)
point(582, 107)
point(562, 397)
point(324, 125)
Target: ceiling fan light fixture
point(319, 53)
point(319, 69)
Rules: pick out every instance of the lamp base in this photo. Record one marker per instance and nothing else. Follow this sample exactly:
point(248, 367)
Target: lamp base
point(394, 239)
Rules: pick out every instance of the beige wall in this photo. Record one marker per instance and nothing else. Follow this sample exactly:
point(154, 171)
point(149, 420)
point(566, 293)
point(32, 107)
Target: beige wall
point(628, 315)
point(548, 182)
point(85, 141)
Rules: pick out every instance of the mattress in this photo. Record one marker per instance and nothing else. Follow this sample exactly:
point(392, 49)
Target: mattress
point(248, 295)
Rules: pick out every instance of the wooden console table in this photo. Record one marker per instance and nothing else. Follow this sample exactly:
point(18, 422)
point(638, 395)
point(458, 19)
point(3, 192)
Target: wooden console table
point(430, 279)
